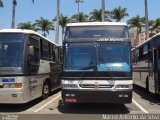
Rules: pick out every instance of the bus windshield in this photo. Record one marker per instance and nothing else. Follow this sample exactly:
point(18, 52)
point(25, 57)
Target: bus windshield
point(103, 56)
point(108, 31)
point(11, 50)
point(79, 57)
point(114, 57)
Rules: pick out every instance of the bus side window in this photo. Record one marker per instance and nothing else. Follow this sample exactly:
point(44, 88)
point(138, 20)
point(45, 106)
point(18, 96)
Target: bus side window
point(61, 54)
point(34, 54)
point(150, 56)
point(145, 52)
point(140, 55)
point(133, 56)
point(34, 41)
point(53, 52)
point(50, 51)
point(57, 54)
point(41, 48)
point(136, 55)
point(45, 52)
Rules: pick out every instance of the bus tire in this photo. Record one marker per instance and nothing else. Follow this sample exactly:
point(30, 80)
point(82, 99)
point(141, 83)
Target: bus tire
point(45, 90)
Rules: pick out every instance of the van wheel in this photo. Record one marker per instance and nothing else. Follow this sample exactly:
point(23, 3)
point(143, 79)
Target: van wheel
point(45, 90)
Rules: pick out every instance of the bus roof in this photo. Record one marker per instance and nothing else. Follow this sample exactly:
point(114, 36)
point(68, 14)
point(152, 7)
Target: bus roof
point(24, 31)
point(97, 23)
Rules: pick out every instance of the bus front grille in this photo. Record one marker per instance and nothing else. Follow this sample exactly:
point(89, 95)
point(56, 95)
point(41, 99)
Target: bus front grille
point(95, 86)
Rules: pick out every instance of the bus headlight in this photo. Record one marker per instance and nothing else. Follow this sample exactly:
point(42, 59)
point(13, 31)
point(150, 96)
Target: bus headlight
point(124, 86)
point(71, 86)
point(12, 85)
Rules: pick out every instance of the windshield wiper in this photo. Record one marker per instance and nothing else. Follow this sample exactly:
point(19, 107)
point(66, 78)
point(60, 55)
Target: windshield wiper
point(91, 65)
point(88, 67)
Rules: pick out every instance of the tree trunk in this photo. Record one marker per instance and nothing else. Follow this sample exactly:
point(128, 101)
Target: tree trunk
point(62, 33)
point(78, 11)
point(146, 18)
point(57, 23)
point(14, 3)
point(138, 35)
point(103, 10)
point(44, 33)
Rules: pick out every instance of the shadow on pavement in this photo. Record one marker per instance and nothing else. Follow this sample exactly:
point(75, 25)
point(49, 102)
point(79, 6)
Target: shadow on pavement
point(92, 108)
point(13, 108)
point(144, 94)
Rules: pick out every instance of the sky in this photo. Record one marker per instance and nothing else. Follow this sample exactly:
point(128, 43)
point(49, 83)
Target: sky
point(26, 11)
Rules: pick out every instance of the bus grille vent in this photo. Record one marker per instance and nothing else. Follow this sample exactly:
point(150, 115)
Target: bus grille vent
point(95, 86)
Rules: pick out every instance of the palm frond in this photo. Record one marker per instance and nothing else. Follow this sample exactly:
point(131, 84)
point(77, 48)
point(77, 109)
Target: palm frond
point(44, 25)
point(1, 3)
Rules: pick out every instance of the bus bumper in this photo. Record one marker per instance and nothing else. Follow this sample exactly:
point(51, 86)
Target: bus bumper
point(90, 96)
point(13, 98)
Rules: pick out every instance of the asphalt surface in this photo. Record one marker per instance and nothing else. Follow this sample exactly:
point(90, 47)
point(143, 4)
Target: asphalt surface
point(53, 108)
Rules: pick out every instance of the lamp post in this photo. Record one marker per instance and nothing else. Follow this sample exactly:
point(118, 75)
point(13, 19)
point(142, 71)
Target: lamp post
point(78, 2)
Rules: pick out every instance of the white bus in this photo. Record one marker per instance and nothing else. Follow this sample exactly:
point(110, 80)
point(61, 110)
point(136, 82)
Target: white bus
point(97, 63)
point(146, 64)
point(29, 66)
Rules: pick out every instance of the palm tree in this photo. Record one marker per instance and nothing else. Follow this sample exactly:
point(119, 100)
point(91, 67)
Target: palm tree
point(44, 25)
point(156, 25)
point(81, 17)
point(96, 16)
point(1, 3)
point(26, 25)
point(14, 4)
point(118, 13)
point(151, 23)
point(136, 22)
point(62, 22)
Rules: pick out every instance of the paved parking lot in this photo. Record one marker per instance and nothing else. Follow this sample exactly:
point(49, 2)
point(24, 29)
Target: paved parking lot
point(142, 103)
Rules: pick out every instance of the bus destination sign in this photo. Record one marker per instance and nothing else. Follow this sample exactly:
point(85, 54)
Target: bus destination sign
point(110, 39)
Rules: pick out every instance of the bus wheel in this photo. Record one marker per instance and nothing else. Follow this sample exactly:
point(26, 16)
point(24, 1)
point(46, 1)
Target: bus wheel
point(45, 90)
